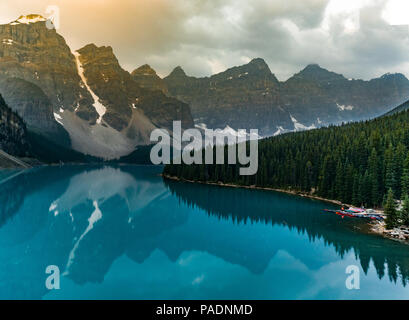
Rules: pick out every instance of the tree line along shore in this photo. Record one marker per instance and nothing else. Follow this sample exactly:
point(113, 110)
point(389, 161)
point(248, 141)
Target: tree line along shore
point(363, 163)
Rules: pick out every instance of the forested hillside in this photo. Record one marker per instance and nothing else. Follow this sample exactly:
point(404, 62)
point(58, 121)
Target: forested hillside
point(13, 132)
point(354, 163)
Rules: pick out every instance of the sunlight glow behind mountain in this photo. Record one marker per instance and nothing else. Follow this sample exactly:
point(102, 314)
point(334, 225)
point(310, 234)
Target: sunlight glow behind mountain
point(207, 36)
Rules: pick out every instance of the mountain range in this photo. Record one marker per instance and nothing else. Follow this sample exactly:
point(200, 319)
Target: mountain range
point(250, 96)
point(85, 100)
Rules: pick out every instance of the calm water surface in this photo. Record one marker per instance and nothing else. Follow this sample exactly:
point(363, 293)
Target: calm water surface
point(124, 233)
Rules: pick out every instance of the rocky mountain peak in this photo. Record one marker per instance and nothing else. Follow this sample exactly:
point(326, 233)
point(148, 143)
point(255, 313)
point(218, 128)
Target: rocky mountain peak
point(255, 74)
point(259, 67)
point(259, 63)
point(313, 69)
point(147, 78)
point(144, 70)
point(93, 51)
point(101, 62)
point(315, 72)
point(178, 72)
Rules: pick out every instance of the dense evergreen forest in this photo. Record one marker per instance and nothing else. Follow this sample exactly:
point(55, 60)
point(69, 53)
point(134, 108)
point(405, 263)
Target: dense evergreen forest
point(357, 163)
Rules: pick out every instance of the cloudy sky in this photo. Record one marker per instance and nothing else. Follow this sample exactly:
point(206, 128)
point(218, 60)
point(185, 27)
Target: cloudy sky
point(358, 38)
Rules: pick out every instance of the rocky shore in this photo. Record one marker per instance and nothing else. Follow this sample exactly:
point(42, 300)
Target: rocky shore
point(400, 233)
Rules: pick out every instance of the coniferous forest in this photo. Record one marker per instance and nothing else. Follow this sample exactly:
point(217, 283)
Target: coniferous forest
point(357, 163)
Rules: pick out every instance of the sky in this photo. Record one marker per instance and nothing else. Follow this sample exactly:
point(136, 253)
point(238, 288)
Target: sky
point(361, 39)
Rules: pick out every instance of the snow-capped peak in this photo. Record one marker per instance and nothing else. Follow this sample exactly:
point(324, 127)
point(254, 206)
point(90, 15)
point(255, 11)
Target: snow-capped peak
point(30, 18)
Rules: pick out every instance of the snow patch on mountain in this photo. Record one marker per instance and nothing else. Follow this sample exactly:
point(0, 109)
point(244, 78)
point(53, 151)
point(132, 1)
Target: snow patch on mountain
point(99, 107)
point(299, 126)
point(229, 131)
point(228, 135)
point(31, 18)
point(57, 118)
point(344, 107)
point(97, 140)
point(280, 130)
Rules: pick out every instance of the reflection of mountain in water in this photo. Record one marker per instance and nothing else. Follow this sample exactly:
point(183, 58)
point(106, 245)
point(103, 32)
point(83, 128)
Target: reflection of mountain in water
point(79, 218)
point(83, 218)
point(249, 206)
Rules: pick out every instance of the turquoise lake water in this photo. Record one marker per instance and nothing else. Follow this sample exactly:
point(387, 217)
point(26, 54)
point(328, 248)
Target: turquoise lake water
point(125, 233)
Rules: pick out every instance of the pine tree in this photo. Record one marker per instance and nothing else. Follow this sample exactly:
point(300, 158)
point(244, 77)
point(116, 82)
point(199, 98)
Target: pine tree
point(398, 162)
point(405, 177)
point(355, 163)
point(405, 210)
point(390, 211)
point(374, 177)
point(390, 179)
point(356, 195)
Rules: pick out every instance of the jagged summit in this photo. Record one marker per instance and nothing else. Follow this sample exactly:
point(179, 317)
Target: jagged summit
point(88, 46)
point(105, 54)
point(93, 47)
point(146, 70)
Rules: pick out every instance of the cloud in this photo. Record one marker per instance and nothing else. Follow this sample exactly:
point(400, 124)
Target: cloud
point(204, 37)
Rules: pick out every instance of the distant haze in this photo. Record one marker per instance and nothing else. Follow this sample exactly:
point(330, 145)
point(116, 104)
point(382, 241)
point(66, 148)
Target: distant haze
point(352, 37)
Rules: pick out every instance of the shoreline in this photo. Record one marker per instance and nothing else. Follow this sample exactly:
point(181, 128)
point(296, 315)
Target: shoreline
point(374, 227)
point(229, 185)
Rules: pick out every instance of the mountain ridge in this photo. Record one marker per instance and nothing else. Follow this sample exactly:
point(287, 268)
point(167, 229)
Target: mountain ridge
point(403, 107)
point(313, 97)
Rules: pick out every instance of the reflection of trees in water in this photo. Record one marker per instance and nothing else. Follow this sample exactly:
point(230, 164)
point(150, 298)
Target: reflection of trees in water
point(248, 206)
point(12, 194)
point(137, 218)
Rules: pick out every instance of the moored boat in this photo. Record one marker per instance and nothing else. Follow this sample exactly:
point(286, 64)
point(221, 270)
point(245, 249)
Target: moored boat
point(358, 213)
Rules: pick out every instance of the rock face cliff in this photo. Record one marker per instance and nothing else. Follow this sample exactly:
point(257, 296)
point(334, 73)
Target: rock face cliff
point(13, 135)
point(250, 96)
point(82, 98)
point(34, 107)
